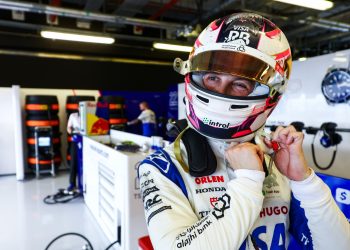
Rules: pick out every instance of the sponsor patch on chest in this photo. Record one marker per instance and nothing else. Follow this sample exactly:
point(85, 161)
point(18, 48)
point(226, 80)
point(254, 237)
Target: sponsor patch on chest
point(206, 191)
point(209, 179)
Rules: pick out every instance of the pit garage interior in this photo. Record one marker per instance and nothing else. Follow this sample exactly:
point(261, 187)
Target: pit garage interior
point(128, 70)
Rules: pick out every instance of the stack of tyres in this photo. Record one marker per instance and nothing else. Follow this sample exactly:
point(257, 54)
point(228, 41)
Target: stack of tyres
point(116, 108)
point(41, 111)
point(72, 106)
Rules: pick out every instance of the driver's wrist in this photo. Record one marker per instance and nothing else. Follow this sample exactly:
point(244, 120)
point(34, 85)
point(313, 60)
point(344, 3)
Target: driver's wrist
point(306, 175)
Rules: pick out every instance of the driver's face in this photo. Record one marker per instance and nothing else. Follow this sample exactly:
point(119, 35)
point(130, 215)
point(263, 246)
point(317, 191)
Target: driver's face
point(228, 84)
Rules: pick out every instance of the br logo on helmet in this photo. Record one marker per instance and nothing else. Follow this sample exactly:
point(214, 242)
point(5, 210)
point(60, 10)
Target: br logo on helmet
point(211, 123)
point(239, 36)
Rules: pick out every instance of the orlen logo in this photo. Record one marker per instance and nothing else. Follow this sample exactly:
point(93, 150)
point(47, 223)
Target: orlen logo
point(209, 179)
point(215, 124)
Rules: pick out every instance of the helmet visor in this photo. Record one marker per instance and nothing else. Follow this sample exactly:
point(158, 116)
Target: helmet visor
point(234, 63)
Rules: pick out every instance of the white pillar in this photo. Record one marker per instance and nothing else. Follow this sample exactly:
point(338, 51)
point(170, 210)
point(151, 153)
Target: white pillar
point(18, 132)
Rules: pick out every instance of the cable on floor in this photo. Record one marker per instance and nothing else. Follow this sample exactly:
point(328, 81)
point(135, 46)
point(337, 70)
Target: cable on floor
point(112, 244)
point(72, 233)
point(62, 196)
point(82, 236)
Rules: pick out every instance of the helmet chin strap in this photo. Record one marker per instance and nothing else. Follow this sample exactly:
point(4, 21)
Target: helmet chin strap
point(259, 140)
point(257, 137)
point(234, 141)
point(203, 150)
point(177, 151)
point(201, 160)
point(220, 145)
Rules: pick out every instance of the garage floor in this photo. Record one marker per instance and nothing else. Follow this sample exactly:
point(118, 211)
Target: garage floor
point(27, 223)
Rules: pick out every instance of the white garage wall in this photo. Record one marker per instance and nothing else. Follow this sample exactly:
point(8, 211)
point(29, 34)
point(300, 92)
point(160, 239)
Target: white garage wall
point(7, 133)
point(304, 101)
point(180, 99)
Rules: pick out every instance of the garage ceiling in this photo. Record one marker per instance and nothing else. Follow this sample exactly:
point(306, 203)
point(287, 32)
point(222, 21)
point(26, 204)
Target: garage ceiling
point(137, 23)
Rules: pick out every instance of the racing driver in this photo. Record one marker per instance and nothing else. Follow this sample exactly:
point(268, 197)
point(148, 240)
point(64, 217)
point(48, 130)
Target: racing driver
point(224, 183)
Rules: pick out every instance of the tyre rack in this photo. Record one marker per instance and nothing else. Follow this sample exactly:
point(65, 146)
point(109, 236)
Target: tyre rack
point(44, 148)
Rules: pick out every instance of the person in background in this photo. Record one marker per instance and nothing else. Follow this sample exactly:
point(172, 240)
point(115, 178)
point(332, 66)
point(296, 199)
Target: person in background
point(73, 130)
point(224, 183)
point(73, 124)
point(148, 119)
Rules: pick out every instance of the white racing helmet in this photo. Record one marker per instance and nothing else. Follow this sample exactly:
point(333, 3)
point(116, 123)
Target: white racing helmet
point(244, 45)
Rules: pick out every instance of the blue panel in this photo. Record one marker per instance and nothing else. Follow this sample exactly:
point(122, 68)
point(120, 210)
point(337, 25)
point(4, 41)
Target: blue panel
point(102, 110)
point(158, 102)
point(293, 244)
point(298, 226)
point(173, 109)
point(161, 160)
point(340, 189)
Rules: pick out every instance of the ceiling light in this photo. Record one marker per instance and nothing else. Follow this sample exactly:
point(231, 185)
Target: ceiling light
point(302, 59)
point(77, 37)
point(313, 4)
point(167, 46)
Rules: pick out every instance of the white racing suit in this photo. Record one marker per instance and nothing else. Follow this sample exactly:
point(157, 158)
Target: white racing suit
point(238, 209)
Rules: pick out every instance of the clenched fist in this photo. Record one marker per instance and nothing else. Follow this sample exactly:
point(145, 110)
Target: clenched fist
point(289, 158)
point(245, 156)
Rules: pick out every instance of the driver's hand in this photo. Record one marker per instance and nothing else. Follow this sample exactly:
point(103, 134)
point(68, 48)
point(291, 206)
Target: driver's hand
point(245, 156)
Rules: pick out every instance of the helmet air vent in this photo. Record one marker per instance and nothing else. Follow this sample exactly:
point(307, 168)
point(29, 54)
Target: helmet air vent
point(233, 106)
point(202, 99)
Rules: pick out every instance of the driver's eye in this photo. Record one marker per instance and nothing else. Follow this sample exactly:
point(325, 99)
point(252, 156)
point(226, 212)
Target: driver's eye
point(212, 78)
